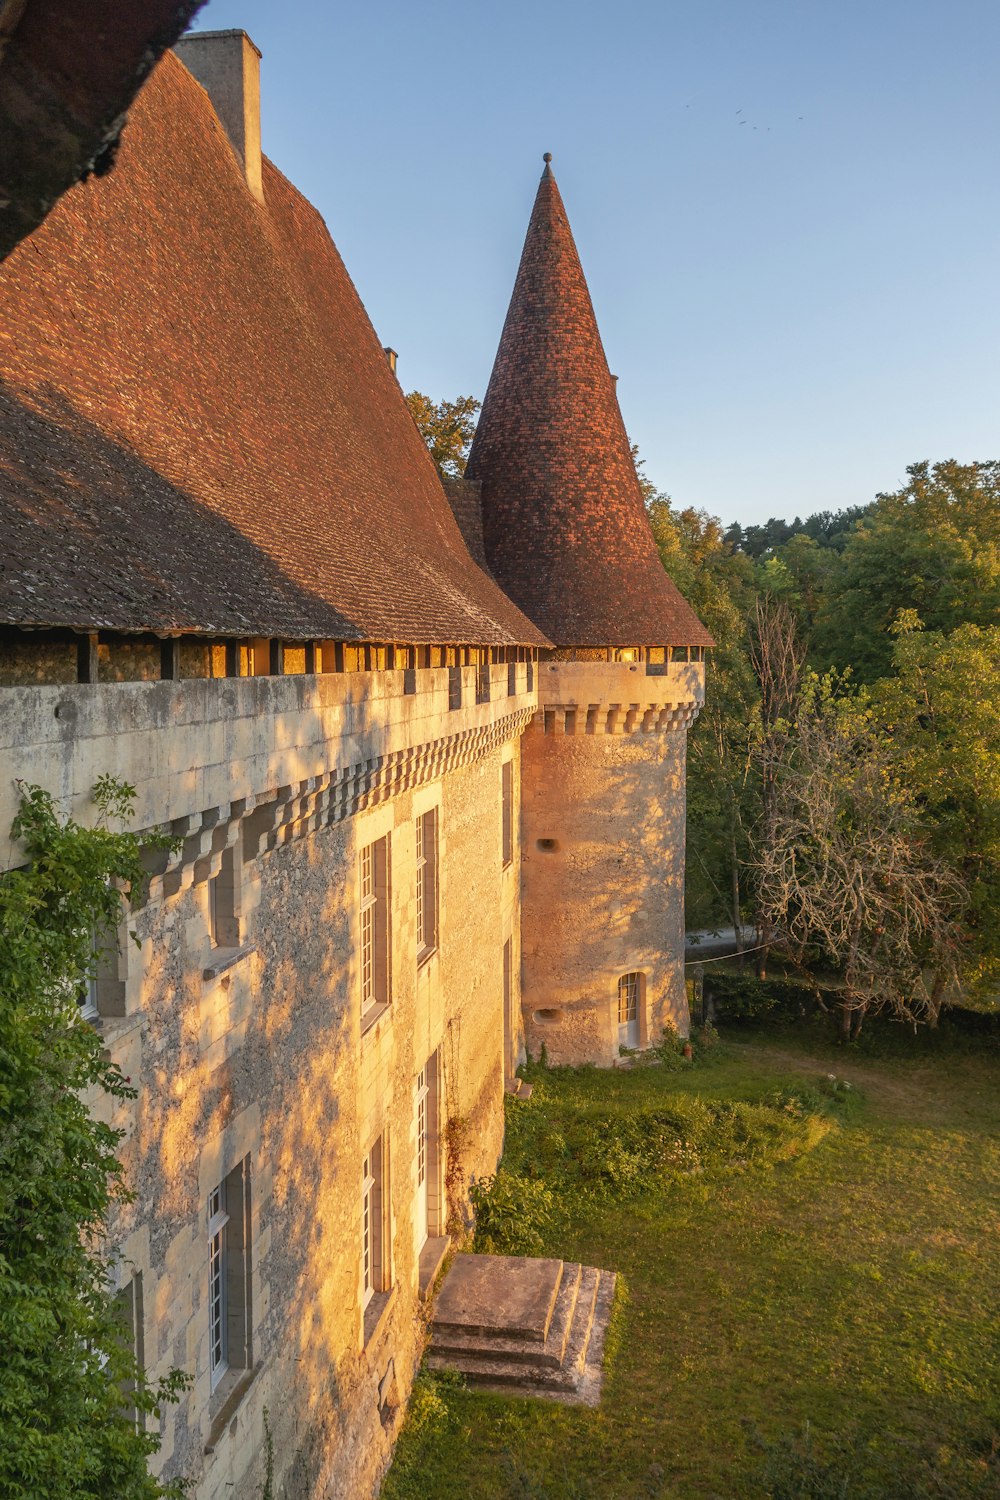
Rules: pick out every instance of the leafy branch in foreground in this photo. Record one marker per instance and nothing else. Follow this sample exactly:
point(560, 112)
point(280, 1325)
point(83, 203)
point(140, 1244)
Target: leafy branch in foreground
point(66, 1426)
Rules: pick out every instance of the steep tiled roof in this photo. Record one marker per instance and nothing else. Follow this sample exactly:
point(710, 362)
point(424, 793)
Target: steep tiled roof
point(564, 524)
point(198, 427)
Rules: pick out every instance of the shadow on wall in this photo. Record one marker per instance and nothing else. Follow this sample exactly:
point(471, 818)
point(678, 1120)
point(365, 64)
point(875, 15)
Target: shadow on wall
point(120, 547)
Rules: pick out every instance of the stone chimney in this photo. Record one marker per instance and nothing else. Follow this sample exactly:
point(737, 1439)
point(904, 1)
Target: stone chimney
point(227, 65)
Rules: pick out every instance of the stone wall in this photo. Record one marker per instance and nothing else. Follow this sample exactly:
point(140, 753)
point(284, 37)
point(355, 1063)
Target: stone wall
point(255, 1050)
point(603, 821)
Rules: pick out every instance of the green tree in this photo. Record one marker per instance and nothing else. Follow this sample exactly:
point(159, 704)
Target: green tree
point(64, 1427)
point(723, 790)
point(447, 427)
point(846, 874)
point(933, 547)
point(942, 708)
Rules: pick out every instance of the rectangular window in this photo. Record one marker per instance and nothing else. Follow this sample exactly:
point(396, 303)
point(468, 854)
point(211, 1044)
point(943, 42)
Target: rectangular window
point(628, 998)
point(507, 805)
point(374, 1272)
point(483, 682)
point(128, 1309)
point(229, 1274)
point(509, 1062)
point(374, 926)
point(511, 678)
point(454, 687)
point(427, 884)
point(86, 995)
point(224, 903)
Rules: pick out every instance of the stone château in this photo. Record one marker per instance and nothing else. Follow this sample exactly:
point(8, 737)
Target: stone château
point(422, 752)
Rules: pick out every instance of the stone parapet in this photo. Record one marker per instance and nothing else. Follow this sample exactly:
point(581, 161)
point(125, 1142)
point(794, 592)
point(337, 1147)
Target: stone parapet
point(582, 697)
point(196, 745)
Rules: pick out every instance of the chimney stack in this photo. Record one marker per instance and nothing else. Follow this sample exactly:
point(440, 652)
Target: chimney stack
point(391, 356)
point(227, 65)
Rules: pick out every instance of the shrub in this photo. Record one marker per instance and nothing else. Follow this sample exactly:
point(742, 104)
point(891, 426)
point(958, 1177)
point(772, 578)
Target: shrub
point(512, 1212)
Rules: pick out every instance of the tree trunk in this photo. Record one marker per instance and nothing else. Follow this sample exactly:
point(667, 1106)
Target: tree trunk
point(845, 1021)
point(735, 891)
point(936, 998)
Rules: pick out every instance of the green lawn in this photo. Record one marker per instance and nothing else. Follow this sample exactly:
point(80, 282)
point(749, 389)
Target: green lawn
point(833, 1263)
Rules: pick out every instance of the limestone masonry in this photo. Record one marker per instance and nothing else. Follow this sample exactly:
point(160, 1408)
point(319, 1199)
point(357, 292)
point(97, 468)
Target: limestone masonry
point(422, 752)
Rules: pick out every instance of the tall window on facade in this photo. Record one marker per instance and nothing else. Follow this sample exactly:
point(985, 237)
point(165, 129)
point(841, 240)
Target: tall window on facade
point(86, 995)
point(507, 807)
point(128, 1310)
point(374, 1261)
point(224, 903)
point(509, 1063)
point(629, 997)
point(374, 926)
point(229, 1275)
point(427, 884)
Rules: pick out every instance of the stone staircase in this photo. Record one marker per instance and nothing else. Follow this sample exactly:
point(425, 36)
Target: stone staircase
point(533, 1327)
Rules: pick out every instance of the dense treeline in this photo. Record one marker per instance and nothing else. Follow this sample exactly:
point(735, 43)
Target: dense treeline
point(844, 777)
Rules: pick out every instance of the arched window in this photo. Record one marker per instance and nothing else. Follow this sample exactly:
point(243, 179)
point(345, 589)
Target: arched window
point(630, 987)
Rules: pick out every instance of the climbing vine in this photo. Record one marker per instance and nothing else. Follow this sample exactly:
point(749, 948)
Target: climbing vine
point(67, 1426)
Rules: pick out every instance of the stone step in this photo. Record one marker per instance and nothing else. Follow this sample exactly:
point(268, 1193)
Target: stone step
point(499, 1296)
point(577, 1344)
point(448, 1340)
point(577, 1378)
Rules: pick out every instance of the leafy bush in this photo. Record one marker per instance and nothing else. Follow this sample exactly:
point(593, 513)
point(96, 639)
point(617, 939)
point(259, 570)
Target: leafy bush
point(742, 997)
point(512, 1214)
point(64, 1429)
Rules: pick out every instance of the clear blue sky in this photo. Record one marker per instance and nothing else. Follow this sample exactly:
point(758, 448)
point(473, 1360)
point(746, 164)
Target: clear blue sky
point(797, 307)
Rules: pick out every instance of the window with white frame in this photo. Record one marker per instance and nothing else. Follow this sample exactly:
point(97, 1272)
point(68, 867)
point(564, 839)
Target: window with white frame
point(507, 806)
point(86, 994)
point(427, 884)
point(374, 879)
point(628, 998)
point(229, 1275)
point(102, 991)
point(374, 1268)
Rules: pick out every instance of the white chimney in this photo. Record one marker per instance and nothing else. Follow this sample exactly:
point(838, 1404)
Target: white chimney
point(227, 65)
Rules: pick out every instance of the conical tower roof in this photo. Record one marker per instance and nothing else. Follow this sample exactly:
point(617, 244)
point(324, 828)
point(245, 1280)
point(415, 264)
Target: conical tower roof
point(564, 523)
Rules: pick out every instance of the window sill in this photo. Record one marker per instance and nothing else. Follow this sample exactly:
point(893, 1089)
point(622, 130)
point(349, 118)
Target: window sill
point(425, 955)
point(375, 1315)
point(231, 1397)
point(373, 1016)
point(432, 1257)
point(226, 958)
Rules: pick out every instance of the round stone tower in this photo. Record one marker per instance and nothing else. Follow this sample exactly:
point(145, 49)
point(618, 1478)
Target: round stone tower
point(603, 765)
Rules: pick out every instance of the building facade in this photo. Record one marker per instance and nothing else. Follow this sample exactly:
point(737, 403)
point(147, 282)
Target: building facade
point(424, 815)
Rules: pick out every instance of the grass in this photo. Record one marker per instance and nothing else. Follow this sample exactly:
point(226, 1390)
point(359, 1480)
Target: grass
point(812, 1294)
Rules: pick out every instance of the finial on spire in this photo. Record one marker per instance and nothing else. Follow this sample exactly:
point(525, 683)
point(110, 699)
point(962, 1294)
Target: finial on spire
point(547, 157)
